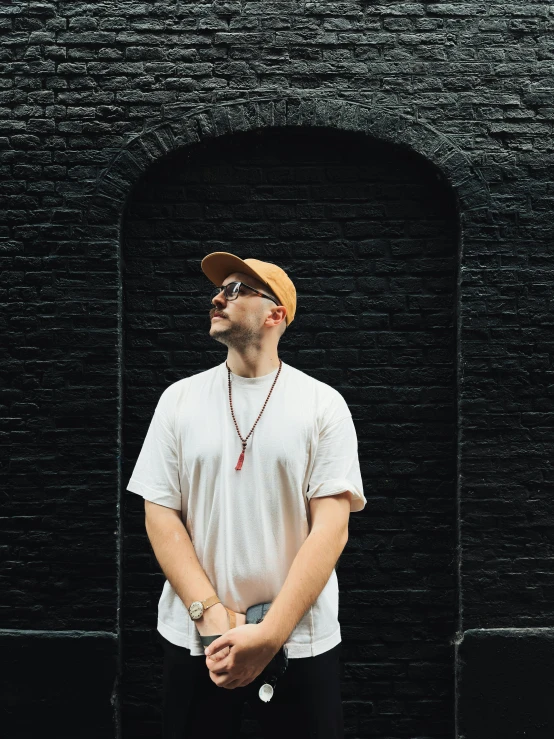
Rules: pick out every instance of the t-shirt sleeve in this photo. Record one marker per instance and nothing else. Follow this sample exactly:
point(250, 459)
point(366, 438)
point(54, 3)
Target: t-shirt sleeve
point(337, 467)
point(156, 472)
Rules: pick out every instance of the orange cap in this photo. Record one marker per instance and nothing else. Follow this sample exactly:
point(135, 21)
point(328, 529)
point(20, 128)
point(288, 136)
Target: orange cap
point(220, 264)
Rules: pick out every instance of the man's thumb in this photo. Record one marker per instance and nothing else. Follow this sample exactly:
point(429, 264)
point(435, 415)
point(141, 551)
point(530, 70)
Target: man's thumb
point(219, 643)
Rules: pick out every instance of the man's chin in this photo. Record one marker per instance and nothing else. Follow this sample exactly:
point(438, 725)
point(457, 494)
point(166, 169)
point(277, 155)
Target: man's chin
point(218, 335)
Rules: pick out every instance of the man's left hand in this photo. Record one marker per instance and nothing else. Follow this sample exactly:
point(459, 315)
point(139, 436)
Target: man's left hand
point(250, 651)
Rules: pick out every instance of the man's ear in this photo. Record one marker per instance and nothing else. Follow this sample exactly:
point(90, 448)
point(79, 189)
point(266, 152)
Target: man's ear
point(278, 311)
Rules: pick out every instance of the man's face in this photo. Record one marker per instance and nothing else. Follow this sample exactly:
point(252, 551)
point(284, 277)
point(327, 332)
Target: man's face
point(238, 323)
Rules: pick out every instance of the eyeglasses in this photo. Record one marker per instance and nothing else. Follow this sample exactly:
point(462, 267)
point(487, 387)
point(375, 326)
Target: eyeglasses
point(233, 289)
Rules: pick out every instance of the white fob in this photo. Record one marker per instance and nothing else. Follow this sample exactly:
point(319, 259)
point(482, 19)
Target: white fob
point(266, 692)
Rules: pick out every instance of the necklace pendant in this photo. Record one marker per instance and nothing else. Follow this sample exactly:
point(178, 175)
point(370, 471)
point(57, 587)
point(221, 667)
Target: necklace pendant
point(241, 460)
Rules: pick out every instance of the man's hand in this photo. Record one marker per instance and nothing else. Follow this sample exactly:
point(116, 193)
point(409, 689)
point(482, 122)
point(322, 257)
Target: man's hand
point(215, 620)
point(250, 650)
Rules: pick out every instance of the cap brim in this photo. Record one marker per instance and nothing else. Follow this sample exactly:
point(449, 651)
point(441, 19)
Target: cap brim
point(220, 264)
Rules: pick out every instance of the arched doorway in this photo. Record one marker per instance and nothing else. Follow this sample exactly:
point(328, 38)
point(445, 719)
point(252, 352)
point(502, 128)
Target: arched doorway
point(369, 233)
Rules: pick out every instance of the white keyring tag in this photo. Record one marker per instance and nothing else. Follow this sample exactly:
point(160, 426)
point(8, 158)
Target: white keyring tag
point(266, 692)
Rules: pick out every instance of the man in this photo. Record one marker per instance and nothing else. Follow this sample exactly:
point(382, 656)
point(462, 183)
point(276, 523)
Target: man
point(249, 472)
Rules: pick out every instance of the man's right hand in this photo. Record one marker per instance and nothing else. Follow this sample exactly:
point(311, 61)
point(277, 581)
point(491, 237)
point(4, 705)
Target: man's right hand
point(215, 620)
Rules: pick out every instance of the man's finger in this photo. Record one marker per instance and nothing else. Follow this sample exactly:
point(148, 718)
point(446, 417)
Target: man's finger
point(228, 683)
point(220, 655)
point(219, 667)
point(221, 680)
point(219, 643)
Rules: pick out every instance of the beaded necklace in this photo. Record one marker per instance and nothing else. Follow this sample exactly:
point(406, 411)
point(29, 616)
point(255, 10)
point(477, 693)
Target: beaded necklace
point(244, 441)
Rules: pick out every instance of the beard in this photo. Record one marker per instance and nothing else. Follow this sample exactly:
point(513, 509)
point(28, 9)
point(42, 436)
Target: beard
point(237, 337)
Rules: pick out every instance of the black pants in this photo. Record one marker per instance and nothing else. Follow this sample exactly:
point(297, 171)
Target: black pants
point(306, 703)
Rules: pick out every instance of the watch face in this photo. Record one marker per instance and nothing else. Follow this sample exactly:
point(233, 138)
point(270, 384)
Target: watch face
point(196, 610)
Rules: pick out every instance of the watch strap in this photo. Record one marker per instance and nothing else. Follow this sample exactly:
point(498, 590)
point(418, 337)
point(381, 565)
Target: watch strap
point(232, 618)
point(211, 601)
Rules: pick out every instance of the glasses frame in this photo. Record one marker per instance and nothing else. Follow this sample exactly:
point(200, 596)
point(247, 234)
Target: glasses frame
point(240, 284)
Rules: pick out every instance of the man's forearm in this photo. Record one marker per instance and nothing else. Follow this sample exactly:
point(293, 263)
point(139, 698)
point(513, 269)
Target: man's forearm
point(308, 575)
point(176, 556)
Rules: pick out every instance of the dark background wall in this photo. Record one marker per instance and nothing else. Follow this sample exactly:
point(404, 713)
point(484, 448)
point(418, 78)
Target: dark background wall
point(469, 85)
point(368, 233)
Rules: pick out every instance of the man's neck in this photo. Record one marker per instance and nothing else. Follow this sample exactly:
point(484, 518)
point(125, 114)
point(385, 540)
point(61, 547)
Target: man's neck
point(252, 365)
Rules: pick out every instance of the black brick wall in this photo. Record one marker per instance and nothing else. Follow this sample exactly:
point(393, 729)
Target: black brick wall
point(92, 96)
point(369, 236)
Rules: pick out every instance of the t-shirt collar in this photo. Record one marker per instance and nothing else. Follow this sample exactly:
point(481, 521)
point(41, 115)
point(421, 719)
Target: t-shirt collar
point(238, 380)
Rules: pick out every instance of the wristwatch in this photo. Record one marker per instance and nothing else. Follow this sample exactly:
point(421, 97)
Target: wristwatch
point(197, 607)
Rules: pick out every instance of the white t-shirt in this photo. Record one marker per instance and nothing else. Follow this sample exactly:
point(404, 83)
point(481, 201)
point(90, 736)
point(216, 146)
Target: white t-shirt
point(247, 525)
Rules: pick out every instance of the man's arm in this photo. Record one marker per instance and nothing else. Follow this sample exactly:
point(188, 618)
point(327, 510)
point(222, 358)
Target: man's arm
point(176, 556)
point(255, 644)
point(312, 566)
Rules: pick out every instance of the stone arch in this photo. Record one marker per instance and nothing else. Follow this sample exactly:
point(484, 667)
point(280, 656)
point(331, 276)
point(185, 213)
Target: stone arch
point(213, 194)
point(184, 126)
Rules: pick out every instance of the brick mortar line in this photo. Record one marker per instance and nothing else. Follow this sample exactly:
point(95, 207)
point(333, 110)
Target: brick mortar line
point(55, 633)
